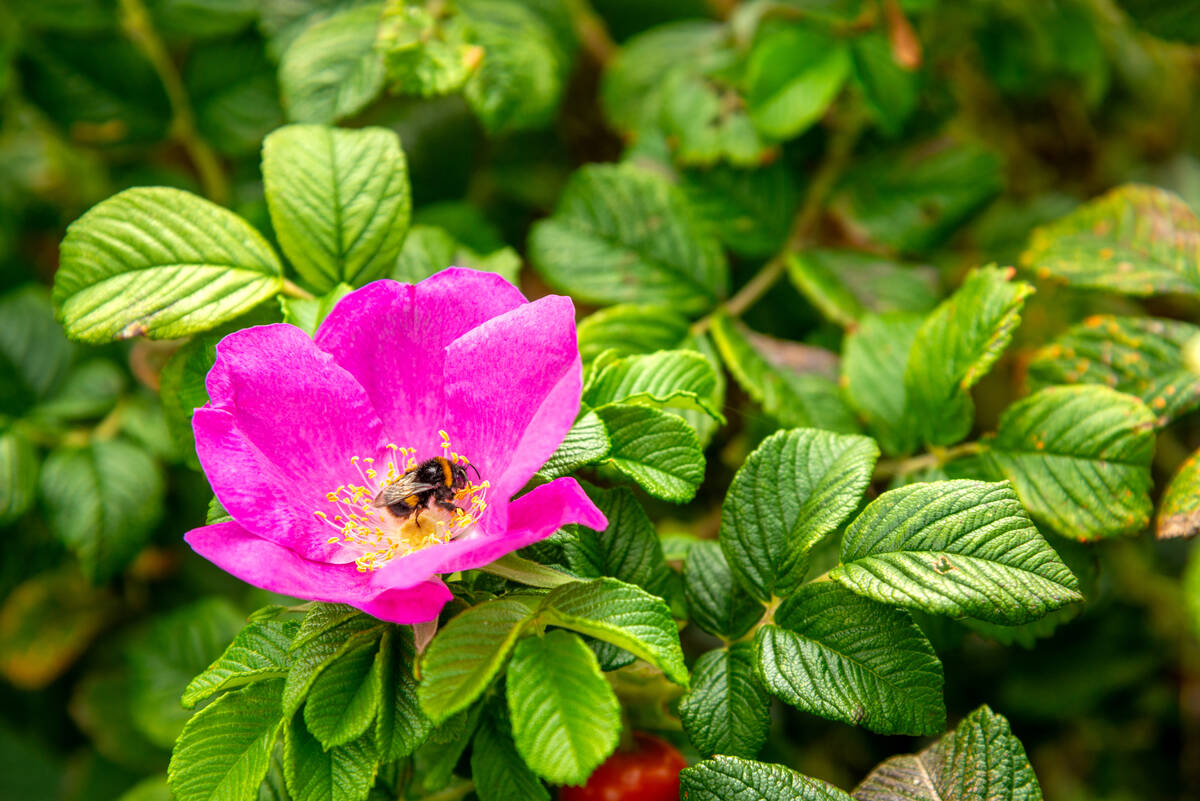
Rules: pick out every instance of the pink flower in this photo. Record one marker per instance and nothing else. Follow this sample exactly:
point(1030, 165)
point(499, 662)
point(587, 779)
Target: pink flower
point(302, 434)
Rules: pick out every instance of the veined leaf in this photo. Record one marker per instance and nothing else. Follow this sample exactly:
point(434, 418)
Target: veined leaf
point(621, 234)
point(795, 488)
point(1079, 458)
point(34, 354)
point(18, 474)
point(332, 70)
point(1179, 511)
point(958, 548)
point(793, 73)
point(585, 443)
point(327, 632)
point(1141, 356)
point(339, 201)
point(629, 329)
point(343, 773)
point(345, 698)
point(566, 719)
point(159, 262)
point(956, 346)
point(727, 710)
point(623, 615)
point(793, 398)
point(750, 210)
point(1137, 240)
point(499, 772)
point(979, 759)
point(874, 360)
point(102, 501)
point(724, 778)
point(629, 549)
point(847, 658)
point(401, 727)
point(468, 652)
point(225, 749)
point(716, 602)
point(844, 284)
point(657, 450)
point(258, 652)
point(680, 379)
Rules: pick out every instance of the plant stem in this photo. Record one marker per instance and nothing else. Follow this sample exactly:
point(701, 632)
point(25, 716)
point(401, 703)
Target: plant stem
point(293, 290)
point(451, 793)
point(841, 146)
point(139, 27)
point(592, 32)
point(937, 456)
point(514, 568)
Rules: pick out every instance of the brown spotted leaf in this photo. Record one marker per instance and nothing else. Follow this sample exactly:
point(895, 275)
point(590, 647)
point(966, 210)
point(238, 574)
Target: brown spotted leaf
point(1079, 458)
point(1141, 356)
point(1179, 511)
point(1137, 240)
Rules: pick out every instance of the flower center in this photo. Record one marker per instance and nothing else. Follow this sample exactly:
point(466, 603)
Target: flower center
point(408, 505)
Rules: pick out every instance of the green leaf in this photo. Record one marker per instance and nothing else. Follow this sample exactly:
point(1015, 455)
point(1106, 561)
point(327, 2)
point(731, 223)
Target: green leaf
point(874, 361)
point(101, 706)
point(794, 399)
point(727, 710)
point(468, 652)
point(621, 614)
point(520, 81)
point(102, 501)
point(332, 70)
point(794, 489)
point(679, 379)
point(159, 262)
point(628, 549)
point(426, 54)
point(258, 652)
point(891, 91)
point(499, 772)
point(844, 284)
point(339, 201)
point(1079, 458)
point(979, 759)
point(328, 631)
point(435, 761)
point(429, 249)
point(309, 313)
point(343, 773)
point(793, 74)
point(1137, 240)
point(345, 698)
point(703, 115)
point(913, 200)
point(401, 727)
point(848, 658)
point(164, 659)
point(586, 442)
point(1142, 356)
point(1179, 510)
point(621, 234)
point(34, 354)
point(716, 602)
point(225, 749)
point(958, 548)
point(18, 474)
point(750, 211)
point(656, 449)
point(725, 778)
point(566, 719)
point(233, 87)
point(956, 346)
point(89, 392)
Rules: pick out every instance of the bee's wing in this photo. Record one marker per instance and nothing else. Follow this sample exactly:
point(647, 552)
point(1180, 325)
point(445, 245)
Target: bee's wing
point(399, 490)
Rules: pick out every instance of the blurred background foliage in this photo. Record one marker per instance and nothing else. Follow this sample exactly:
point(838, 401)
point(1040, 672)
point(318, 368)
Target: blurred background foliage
point(958, 125)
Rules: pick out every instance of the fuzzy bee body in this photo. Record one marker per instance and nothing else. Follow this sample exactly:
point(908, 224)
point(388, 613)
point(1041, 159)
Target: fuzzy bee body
point(434, 481)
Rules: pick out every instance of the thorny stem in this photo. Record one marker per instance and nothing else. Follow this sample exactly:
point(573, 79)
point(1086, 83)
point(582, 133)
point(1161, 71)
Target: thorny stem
point(293, 290)
point(135, 19)
point(593, 33)
point(841, 145)
point(937, 456)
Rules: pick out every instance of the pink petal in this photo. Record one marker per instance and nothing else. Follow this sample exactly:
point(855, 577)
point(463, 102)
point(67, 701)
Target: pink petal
point(392, 337)
point(512, 390)
point(532, 517)
point(272, 567)
point(278, 435)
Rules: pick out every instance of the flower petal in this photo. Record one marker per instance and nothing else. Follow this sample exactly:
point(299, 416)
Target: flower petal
point(272, 567)
point(278, 435)
point(532, 517)
point(392, 337)
point(512, 390)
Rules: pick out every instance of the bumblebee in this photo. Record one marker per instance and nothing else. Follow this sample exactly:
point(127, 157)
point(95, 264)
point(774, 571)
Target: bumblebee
point(433, 481)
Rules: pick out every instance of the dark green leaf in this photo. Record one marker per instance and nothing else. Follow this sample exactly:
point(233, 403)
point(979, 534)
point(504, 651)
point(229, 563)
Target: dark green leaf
point(891, 91)
point(499, 772)
point(328, 631)
point(727, 710)
point(233, 88)
point(795, 488)
point(345, 697)
point(586, 442)
point(656, 449)
point(258, 652)
point(90, 391)
point(401, 727)
point(716, 602)
point(844, 284)
point(957, 548)
point(628, 549)
point(728, 778)
point(792, 76)
point(751, 211)
point(33, 351)
point(331, 70)
point(343, 773)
